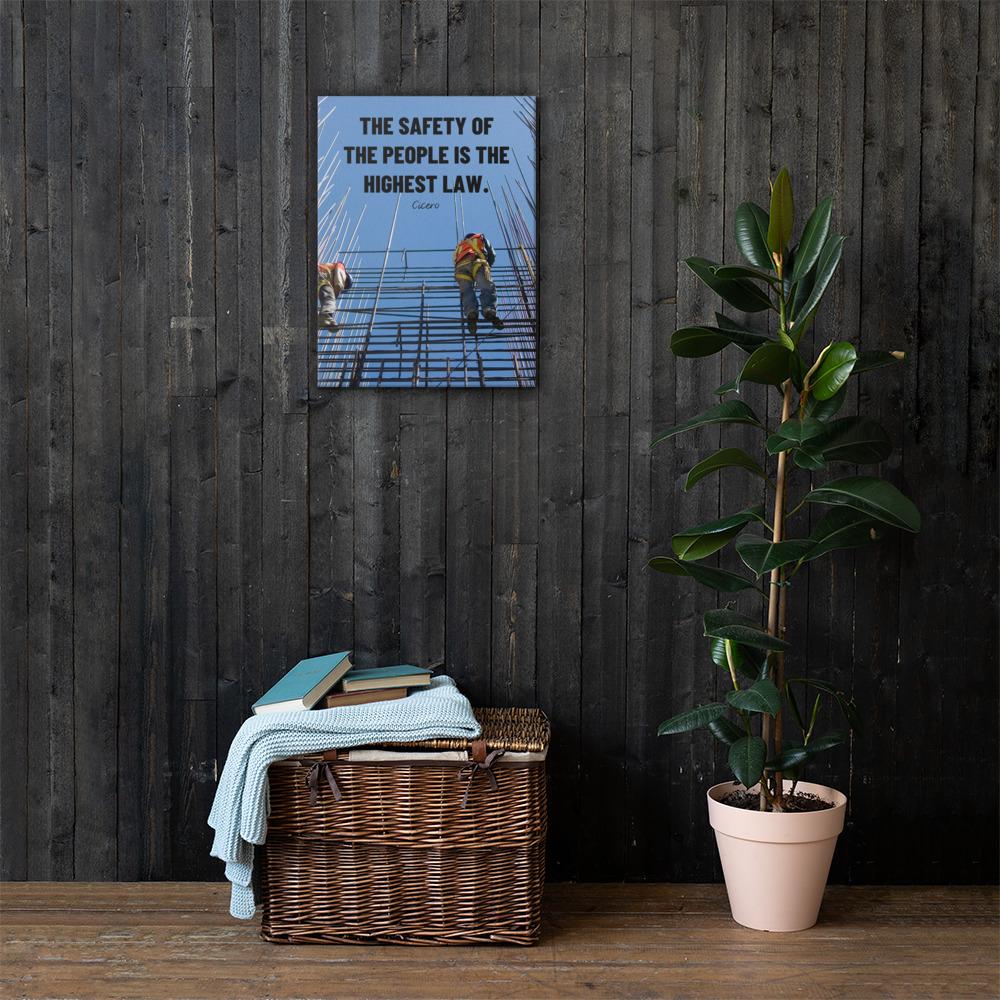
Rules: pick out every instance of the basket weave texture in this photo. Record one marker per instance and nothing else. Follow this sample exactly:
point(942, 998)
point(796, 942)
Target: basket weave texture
point(435, 852)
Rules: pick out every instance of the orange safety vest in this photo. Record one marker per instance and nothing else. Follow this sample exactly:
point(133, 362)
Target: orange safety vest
point(474, 246)
point(325, 272)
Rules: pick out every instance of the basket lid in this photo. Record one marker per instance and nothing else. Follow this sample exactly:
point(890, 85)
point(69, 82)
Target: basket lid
point(517, 730)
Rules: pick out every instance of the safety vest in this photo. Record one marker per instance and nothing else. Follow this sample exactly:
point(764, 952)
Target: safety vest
point(472, 246)
point(326, 271)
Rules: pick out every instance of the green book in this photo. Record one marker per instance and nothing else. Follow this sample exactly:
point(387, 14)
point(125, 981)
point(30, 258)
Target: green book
point(372, 678)
point(305, 683)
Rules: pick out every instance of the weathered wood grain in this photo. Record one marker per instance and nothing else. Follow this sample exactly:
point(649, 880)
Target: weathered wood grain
point(176, 940)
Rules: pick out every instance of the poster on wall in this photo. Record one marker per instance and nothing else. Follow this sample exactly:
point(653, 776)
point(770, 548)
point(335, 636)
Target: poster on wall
point(426, 250)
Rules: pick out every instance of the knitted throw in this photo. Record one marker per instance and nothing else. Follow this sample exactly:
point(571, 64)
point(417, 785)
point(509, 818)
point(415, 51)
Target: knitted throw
point(239, 812)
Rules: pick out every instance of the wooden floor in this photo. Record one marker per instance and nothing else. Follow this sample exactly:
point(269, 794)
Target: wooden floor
point(176, 940)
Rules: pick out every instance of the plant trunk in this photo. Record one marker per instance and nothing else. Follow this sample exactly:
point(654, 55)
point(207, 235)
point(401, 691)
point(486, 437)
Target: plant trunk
point(776, 604)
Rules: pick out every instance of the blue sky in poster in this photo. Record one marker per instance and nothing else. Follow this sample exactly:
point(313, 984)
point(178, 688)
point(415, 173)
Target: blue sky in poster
point(354, 225)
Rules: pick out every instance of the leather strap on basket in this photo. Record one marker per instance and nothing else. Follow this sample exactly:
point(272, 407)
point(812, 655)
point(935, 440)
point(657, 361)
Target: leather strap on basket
point(321, 767)
point(476, 765)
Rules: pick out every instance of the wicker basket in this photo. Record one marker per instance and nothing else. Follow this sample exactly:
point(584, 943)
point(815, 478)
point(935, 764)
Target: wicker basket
point(441, 847)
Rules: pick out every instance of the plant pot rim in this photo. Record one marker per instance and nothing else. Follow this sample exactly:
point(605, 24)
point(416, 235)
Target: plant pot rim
point(777, 828)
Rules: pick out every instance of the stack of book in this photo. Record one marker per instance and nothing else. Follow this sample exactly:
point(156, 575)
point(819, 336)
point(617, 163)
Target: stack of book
point(332, 680)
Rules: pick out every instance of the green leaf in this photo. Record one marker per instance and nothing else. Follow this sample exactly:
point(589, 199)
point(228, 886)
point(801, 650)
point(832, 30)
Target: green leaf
point(746, 758)
point(761, 556)
point(750, 229)
point(717, 579)
point(725, 458)
point(731, 386)
point(829, 258)
point(834, 370)
point(722, 729)
point(730, 272)
point(870, 360)
point(733, 411)
point(694, 718)
point(740, 293)
point(871, 496)
point(725, 624)
point(763, 697)
point(749, 662)
point(840, 528)
point(704, 539)
point(806, 458)
point(824, 409)
point(790, 756)
point(846, 702)
point(770, 364)
point(859, 440)
point(779, 229)
point(813, 237)
point(824, 743)
point(793, 433)
point(703, 341)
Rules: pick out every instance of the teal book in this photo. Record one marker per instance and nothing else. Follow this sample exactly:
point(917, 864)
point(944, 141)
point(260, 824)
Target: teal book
point(373, 678)
point(305, 683)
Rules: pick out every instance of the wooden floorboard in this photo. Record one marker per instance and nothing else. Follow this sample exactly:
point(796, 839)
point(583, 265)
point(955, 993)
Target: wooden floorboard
point(176, 940)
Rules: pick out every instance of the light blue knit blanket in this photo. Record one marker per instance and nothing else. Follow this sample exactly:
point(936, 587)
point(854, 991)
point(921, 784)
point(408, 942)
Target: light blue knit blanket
point(239, 812)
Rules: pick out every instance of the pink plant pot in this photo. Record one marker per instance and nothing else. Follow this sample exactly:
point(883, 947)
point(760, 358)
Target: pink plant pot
point(776, 864)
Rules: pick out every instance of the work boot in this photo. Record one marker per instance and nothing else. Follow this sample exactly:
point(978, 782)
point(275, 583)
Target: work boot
point(327, 322)
point(492, 316)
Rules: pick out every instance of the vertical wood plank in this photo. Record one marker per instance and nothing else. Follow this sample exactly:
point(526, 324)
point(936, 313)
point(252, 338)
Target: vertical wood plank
point(889, 319)
point(655, 55)
point(422, 433)
point(469, 530)
point(285, 294)
point(50, 394)
point(700, 231)
point(330, 33)
point(14, 443)
point(376, 412)
point(146, 679)
point(236, 46)
point(96, 305)
point(560, 416)
point(515, 433)
point(607, 278)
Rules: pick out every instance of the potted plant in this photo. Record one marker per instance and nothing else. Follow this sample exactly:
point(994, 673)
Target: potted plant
point(776, 834)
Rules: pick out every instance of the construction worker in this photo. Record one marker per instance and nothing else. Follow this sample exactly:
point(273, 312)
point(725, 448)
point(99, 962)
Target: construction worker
point(473, 259)
point(332, 281)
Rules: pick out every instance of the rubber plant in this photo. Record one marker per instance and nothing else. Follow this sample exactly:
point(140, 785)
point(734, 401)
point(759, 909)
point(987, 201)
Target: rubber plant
point(810, 439)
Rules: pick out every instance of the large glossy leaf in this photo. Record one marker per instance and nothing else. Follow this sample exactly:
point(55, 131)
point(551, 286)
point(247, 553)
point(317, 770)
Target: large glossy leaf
point(749, 662)
point(770, 364)
point(829, 258)
point(761, 556)
point(791, 756)
point(703, 341)
point(834, 370)
point(793, 433)
point(869, 360)
point(717, 579)
point(722, 729)
point(704, 539)
point(725, 624)
point(824, 409)
point(813, 237)
point(738, 292)
point(823, 743)
point(859, 440)
point(846, 702)
point(779, 229)
point(746, 758)
point(729, 272)
point(806, 458)
point(763, 697)
point(840, 528)
point(694, 718)
point(869, 495)
point(733, 411)
point(731, 386)
point(750, 229)
point(725, 458)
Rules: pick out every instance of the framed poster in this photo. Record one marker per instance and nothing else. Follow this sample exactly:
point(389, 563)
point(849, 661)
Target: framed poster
point(427, 262)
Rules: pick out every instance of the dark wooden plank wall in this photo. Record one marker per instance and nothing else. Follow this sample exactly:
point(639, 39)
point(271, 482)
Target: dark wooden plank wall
point(183, 516)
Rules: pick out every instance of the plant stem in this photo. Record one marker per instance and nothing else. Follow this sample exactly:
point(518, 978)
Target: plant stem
point(776, 595)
